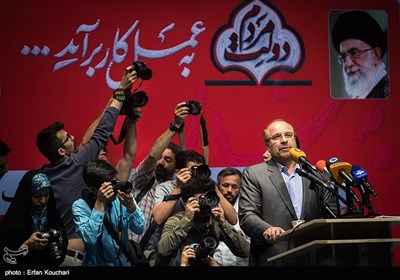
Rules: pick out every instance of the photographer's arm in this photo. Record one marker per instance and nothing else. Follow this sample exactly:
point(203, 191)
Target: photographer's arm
point(127, 80)
point(229, 210)
point(89, 132)
point(124, 165)
point(164, 139)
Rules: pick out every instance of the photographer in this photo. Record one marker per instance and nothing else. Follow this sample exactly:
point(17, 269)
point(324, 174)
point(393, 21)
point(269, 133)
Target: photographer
point(32, 233)
point(105, 244)
point(203, 215)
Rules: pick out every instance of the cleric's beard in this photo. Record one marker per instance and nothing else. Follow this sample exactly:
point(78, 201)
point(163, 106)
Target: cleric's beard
point(360, 86)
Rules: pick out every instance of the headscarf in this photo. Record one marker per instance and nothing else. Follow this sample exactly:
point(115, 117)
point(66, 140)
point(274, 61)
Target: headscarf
point(17, 225)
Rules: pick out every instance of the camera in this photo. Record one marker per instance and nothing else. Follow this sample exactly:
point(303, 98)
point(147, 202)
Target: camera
point(201, 172)
point(124, 186)
point(205, 247)
point(194, 107)
point(142, 71)
point(137, 99)
point(210, 200)
point(54, 245)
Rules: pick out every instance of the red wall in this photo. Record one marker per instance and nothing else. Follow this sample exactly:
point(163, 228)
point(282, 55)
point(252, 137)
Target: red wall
point(33, 95)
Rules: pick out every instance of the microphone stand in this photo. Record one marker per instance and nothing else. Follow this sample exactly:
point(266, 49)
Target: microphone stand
point(352, 212)
point(316, 182)
point(366, 200)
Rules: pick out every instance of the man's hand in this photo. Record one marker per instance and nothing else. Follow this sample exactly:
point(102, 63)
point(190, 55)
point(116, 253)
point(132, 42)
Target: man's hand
point(128, 78)
point(192, 206)
point(127, 201)
point(272, 233)
point(218, 214)
point(182, 177)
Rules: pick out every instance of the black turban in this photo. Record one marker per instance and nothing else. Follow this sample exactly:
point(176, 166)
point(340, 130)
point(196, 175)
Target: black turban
point(358, 25)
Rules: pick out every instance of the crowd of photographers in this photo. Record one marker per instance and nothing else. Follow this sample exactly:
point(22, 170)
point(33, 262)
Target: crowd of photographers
point(80, 210)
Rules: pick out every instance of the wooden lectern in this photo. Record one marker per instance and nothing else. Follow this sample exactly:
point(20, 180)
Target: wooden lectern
point(341, 242)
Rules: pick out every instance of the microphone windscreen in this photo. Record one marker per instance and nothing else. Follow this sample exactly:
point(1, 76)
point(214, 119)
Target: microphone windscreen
point(320, 165)
point(296, 153)
point(334, 165)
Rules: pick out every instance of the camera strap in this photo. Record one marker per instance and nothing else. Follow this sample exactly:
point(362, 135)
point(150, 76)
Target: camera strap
point(122, 134)
point(114, 235)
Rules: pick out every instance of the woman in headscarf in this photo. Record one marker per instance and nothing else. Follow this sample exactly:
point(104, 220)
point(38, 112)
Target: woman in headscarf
point(32, 233)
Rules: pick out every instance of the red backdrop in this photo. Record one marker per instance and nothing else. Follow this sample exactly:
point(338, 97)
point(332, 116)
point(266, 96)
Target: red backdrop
point(35, 92)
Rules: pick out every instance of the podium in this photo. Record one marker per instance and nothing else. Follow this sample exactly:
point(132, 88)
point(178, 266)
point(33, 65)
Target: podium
point(340, 242)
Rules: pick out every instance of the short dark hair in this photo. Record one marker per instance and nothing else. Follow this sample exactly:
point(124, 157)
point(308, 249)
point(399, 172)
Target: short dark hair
point(229, 171)
point(175, 149)
point(48, 142)
point(4, 149)
point(196, 186)
point(189, 155)
point(98, 171)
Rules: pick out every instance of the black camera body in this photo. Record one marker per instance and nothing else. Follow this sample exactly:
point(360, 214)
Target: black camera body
point(201, 172)
point(194, 107)
point(203, 249)
point(209, 200)
point(124, 186)
point(54, 244)
point(142, 71)
point(137, 99)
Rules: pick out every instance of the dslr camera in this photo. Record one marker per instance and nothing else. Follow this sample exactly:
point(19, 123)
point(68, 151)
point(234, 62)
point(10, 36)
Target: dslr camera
point(194, 107)
point(210, 200)
point(54, 245)
point(201, 172)
point(137, 99)
point(206, 246)
point(124, 186)
point(142, 71)
point(140, 98)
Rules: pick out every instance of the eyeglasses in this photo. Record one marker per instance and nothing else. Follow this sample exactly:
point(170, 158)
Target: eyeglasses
point(353, 54)
point(69, 137)
point(278, 136)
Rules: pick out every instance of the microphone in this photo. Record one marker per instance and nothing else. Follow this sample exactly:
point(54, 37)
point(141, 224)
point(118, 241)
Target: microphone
point(340, 171)
point(361, 176)
point(300, 157)
point(321, 166)
point(311, 177)
point(319, 182)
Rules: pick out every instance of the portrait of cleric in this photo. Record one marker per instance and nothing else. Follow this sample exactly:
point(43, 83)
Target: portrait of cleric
point(359, 54)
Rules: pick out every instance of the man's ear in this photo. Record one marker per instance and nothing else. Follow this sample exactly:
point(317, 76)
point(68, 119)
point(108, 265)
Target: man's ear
point(61, 152)
point(378, 54)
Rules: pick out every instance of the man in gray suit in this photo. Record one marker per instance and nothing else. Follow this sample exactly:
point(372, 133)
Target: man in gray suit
point(273, 195)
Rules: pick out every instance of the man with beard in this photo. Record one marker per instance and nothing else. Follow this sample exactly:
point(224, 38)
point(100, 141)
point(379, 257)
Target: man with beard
point(228, 182)
point(361, 44)
point(157, 167)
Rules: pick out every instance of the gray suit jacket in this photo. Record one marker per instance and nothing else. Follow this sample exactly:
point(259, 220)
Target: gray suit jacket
point(265, 202)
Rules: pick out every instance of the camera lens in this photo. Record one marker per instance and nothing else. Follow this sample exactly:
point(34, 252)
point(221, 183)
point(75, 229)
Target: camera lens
point(201, 172)
point(206, 246)
point(194, 107)
point(124, 186)
point(139, 99)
